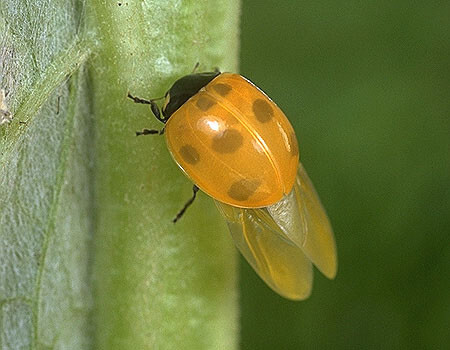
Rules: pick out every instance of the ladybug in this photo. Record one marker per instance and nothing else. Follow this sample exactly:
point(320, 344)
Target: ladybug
point(237, 146)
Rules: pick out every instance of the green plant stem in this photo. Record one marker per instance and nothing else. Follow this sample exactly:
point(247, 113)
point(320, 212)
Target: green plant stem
point(157, 285)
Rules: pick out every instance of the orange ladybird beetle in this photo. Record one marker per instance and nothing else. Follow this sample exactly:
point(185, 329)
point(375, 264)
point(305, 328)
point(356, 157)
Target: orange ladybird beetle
point(238, 147)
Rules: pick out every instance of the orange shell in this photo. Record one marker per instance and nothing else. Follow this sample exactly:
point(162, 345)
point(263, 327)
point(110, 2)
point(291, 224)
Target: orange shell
point(234, 143)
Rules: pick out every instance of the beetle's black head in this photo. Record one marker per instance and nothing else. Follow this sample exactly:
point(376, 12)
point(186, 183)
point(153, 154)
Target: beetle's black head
point(183, 89)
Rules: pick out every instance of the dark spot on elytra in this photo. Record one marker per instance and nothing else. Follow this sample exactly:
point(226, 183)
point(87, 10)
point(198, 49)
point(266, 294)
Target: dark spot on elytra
point(293, 144)
point(189, 154)
point(205, 103)
point(241, 190)
point(222, 89)
point(263, 110)
point(228, 141)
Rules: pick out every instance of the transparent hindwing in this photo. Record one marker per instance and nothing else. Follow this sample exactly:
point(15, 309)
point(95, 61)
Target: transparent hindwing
point(282, 241)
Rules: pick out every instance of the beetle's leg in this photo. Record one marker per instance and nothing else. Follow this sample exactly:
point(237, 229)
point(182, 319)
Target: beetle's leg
point(153, 106)
point(150, 132)
point(188, 203)
point(138, 99)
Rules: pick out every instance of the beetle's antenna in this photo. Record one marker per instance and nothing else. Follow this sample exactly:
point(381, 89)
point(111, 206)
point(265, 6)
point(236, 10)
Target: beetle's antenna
point(188, 203)
point(195, 67)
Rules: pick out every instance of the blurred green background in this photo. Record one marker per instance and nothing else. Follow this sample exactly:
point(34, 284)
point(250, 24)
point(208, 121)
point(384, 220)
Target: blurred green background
point(367, 86)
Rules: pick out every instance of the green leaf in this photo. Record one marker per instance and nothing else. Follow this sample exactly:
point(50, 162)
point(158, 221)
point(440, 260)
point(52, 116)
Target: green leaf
point(89, 257)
